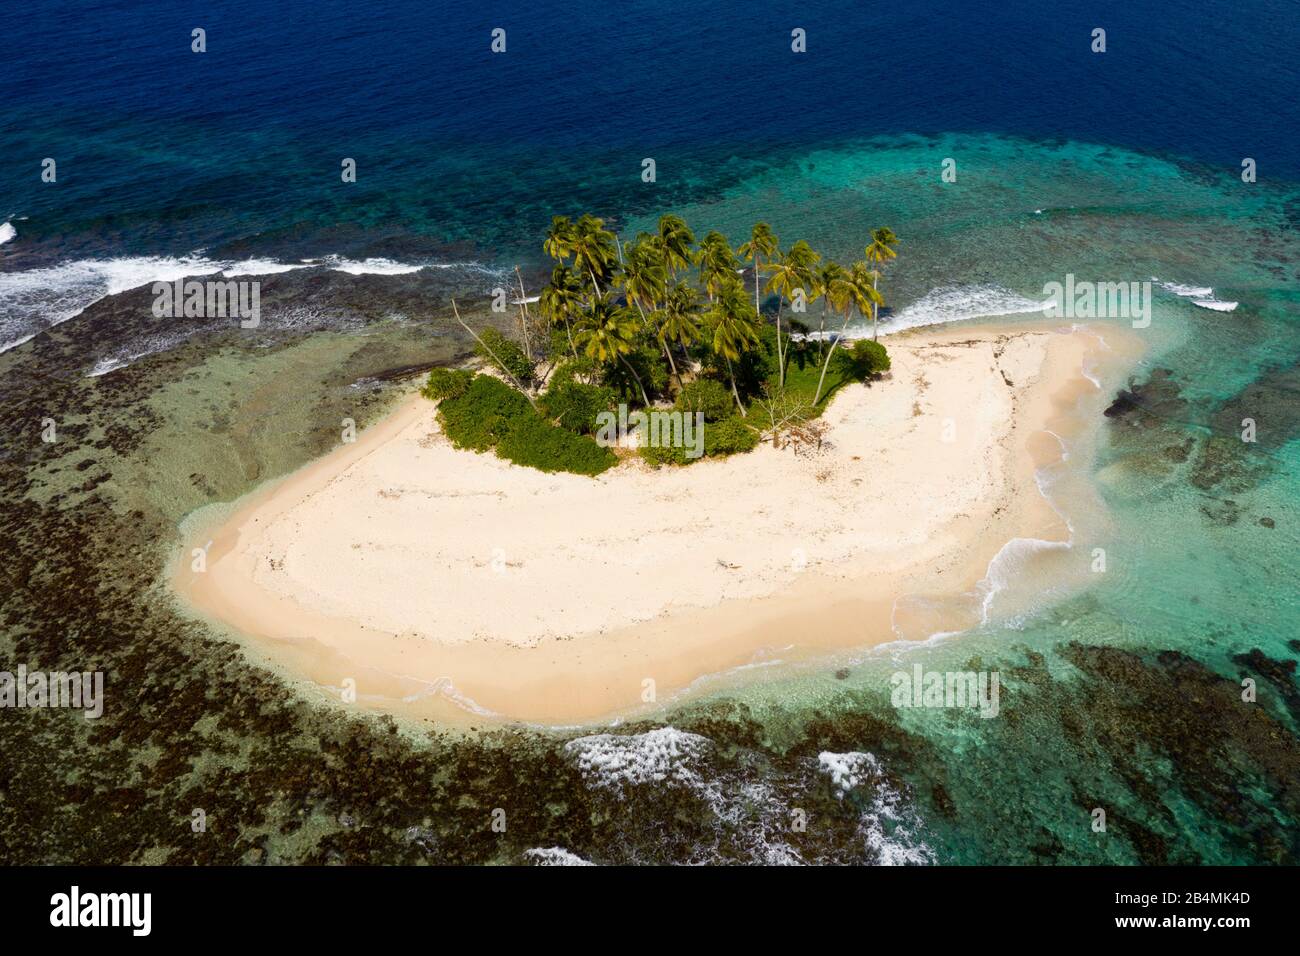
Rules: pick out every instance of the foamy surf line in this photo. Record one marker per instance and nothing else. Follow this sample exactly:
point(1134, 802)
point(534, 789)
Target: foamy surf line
point(34, 300)
point(1200, 295)
point(941, 306)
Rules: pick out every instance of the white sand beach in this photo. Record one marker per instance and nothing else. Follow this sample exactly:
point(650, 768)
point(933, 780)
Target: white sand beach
point(458, 586)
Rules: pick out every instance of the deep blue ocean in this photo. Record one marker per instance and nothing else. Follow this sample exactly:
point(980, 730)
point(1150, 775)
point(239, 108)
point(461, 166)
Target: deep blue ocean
point(161, 150)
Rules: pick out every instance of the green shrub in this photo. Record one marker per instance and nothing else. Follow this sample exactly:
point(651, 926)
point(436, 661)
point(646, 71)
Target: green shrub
point(728, 437)
point(541, 445)
point(758, 364)
point(665, 455)
point(446, 383)
point(505, 355)
point(489, 413)
point(482, 415)
point(707, 396)
point(558, 344)
point(572, 370)
point(575, 405)
point(650, 366)
point(865, 359)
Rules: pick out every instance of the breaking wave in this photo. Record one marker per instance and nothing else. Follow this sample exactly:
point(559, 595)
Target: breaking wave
point(1201, 295)
point(746, 812)
point(889, 827)
point(554, 856)
point(943, 305)
point(34, 300)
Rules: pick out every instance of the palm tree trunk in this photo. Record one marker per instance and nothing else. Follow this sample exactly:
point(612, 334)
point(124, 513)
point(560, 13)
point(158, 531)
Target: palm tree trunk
point(523, 314)
point(821, 337)
point(875, 306)
point(568, 330)
point(827, 364)
point(645, 322)
point(518, 384)
point(644, 397)
point(671, 364)
point(780, 357)
point(734, 391)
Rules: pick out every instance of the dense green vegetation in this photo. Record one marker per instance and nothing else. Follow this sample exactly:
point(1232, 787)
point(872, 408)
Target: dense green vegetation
point(707, 396)
point(446, 383)
point(574, 405)
point(667, 321)
point(488, 413)
point(506, 356)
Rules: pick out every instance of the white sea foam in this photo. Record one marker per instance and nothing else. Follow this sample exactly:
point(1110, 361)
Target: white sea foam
point(753, 815)
point(555, 856)
point(112, 363)
point(1185, 291)
point(849, 770)
point(662, 756)
point(943, 305)
point(7, 232)
point(376, 267)
point(1215, 304)
point(957, 303)
point(262, 267)
point(1202, 296)
point(889, 827)
point(34, 300)
point(380, 266)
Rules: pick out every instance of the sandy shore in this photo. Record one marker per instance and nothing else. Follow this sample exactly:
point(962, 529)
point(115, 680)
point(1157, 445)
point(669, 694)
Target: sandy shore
point(458, 586)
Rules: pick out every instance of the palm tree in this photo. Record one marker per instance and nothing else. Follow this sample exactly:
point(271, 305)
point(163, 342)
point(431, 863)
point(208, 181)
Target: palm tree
point(561, 300)
point(593, 249)
point(734, 328)
point(675, 239)
point(791, 271)
point(857, 290)
point(879, 251)
point(717, 263)
point(825, 278)
point(644, 278)
point(607, 333)
point(804, 259)
point(559, 239)
point(761, 243)
point(678, 321)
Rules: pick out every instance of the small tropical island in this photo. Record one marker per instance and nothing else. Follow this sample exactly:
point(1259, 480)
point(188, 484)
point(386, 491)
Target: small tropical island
point(679, 460)
point(665, 323)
